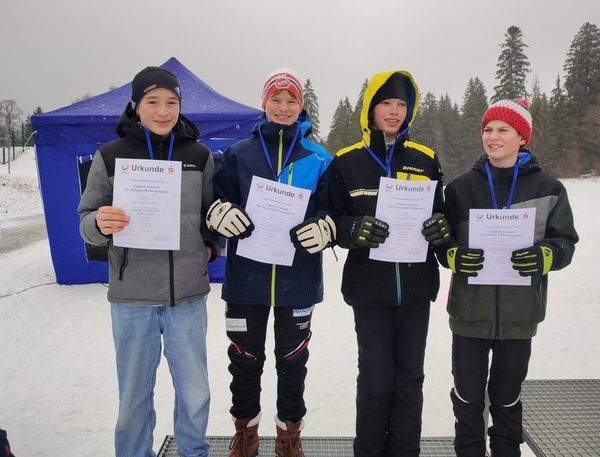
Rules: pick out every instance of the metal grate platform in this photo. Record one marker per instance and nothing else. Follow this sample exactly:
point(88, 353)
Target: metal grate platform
point(562, 417)
point(312, 447)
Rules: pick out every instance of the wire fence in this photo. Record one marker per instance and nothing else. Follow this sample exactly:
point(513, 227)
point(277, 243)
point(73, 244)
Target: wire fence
point(14, 142)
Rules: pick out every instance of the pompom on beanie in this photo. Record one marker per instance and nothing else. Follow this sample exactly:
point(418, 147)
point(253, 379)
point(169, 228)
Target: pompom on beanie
point(514, 112)
point(283, 79)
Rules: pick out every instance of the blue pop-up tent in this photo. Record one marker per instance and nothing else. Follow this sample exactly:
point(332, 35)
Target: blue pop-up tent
point(71, 135)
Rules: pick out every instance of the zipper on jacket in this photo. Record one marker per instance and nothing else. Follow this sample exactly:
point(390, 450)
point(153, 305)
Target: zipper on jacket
point(497, 329)
point(273, 276)
point(280, 153)
point(124, 263)
point(279, 167)
point(398, 286)
point(171, 279)
point(290, 174)
point(398, 278)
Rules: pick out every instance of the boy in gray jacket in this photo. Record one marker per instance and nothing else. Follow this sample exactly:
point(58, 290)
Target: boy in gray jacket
point(157, 296)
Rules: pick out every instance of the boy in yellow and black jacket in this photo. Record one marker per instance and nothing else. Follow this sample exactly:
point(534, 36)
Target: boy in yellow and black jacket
point(390, 301)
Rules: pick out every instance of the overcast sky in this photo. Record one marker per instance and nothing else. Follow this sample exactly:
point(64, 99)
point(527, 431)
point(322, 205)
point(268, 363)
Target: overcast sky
point(53, 52)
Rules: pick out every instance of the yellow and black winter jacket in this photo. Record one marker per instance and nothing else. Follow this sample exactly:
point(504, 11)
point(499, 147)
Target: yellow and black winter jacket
point(354, 184)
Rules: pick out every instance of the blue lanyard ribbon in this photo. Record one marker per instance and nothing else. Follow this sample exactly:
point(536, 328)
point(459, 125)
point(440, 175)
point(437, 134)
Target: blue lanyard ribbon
point(287, 156)
point(512, 187)
point(149, 143)
point(388, 166)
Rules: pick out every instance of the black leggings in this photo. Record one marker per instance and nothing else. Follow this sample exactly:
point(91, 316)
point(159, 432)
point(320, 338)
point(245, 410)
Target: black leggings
point(247, 330)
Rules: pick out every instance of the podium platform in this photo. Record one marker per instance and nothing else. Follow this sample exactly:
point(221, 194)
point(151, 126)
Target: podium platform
point(561, 417)
point(312, 446)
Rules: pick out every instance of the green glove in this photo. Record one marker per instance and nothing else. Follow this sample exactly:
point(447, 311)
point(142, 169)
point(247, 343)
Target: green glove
point(535, 260)
point(464, 260)
point(369, 232)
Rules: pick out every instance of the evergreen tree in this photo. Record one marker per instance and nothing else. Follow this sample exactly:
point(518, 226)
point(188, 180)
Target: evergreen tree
point(590, 132)
point(513, 67)
point(28, 128)
point(339, 134)
point(425, 128)
point(557, 101)
point(582, 85)
point(582, 66)
point(449, 146)
point(311, 105)
point(27, 132)
point(474, 105)
point(355, 128)
point(543, 139)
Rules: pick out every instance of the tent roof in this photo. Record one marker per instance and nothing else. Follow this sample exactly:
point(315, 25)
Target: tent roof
point(199, 103)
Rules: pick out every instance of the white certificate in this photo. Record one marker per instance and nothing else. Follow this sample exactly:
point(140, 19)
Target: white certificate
point(499, 232)
point(274, 208)
point(149, 191)
point(404, 205)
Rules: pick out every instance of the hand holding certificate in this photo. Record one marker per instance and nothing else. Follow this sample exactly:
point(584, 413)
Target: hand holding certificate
point(404, 205)
point(149, 191)
point(499, 232)
point(274, 208)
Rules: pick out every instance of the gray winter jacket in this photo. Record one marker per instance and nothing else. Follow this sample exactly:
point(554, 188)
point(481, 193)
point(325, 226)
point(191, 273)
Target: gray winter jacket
point(155, 277)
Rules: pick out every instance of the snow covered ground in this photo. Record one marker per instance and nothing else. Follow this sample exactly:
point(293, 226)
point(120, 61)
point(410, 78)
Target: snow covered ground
point(58, 389)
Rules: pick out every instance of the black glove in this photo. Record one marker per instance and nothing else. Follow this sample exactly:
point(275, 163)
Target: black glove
point(369, 232)
point(436, 230)
point(464, 260)
point(229, 220)
point(313, 235)
point(536, 260)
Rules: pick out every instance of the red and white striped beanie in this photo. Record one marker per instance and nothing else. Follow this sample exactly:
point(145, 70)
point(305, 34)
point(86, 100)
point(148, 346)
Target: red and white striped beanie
point(283, 78)
point(514, 112)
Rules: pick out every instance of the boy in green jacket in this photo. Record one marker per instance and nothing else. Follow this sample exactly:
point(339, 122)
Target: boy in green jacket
point(500, 315)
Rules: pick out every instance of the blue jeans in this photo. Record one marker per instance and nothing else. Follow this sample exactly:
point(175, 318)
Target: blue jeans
point(137, 334)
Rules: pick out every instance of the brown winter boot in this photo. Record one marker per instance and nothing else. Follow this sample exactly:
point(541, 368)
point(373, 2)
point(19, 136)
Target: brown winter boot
point(288, 442)
point(245, 441)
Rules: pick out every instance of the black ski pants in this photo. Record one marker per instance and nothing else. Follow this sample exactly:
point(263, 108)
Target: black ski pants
point(247, 331)
point(389, 397)
point(507, 371)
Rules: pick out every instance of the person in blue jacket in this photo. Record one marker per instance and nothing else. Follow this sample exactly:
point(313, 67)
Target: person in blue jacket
point(278, 150)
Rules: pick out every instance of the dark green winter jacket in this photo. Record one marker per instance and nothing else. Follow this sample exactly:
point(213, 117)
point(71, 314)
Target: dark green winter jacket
point(507, 312)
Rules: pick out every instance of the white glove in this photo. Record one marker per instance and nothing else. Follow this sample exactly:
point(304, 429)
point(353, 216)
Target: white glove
point(313, 235)
point(229, 220)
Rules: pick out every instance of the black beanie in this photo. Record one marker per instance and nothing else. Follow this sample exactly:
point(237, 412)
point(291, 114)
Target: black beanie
point(151, 78)
point(394, 87)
